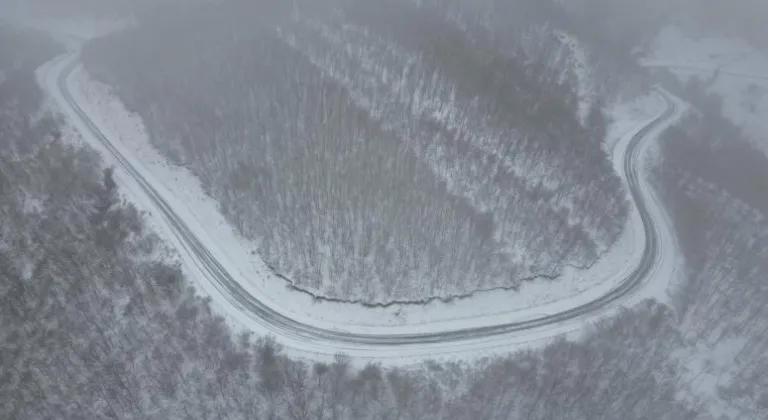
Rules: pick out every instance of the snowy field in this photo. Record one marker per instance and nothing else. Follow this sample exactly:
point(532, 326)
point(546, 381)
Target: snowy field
point(739, 73)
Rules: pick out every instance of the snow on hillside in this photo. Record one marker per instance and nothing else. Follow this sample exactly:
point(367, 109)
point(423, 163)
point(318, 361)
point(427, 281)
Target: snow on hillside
point(733, 69)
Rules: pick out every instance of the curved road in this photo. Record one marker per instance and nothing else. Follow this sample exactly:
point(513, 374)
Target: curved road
point(288, 327)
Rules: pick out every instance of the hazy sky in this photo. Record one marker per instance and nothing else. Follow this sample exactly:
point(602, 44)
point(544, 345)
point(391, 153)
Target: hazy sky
point(745, 18)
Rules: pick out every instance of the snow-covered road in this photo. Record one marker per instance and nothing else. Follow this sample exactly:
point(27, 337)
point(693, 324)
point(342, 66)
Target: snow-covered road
point(399, 343)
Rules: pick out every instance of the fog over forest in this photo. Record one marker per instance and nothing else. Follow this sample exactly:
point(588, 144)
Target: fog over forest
point(396, 157)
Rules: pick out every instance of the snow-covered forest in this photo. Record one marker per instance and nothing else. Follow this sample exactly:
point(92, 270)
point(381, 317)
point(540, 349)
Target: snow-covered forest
point(96, 325)
point(380, 151)
point(96, 322)
point(714, 182)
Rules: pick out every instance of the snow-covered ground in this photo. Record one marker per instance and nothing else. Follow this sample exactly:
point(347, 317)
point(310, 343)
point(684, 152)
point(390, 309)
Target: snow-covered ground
point(185, 194)
point(739, 73)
